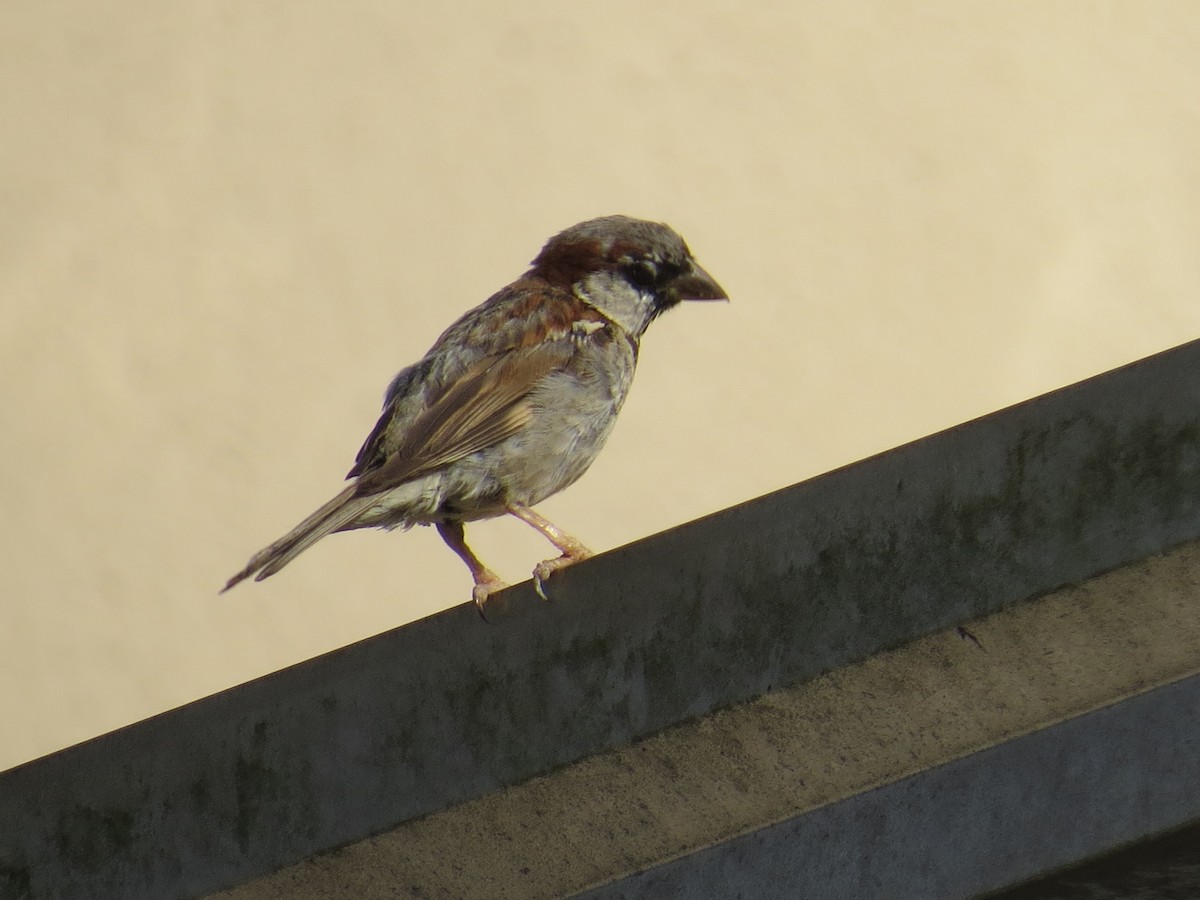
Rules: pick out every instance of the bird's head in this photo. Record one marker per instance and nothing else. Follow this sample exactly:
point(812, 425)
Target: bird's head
point(629, 269)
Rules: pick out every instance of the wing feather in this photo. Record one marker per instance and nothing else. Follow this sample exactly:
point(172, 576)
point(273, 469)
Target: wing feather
point(488, 403)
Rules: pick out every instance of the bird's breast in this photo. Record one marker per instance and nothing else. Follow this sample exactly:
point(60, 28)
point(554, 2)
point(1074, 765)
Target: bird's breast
point(574, 411)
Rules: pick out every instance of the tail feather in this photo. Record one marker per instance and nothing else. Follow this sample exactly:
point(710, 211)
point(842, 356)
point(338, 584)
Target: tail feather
point(335, 514)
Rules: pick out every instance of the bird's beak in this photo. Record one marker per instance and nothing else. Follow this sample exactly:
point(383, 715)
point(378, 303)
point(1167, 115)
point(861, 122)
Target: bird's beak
point(696, 285)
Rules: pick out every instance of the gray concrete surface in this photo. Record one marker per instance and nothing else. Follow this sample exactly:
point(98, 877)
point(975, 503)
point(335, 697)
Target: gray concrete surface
point(746, 601)
point(943, 768)
point(1160, 867)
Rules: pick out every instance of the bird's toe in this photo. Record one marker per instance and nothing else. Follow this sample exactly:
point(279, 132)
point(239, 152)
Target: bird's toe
point(483, 591)
point(547, 567)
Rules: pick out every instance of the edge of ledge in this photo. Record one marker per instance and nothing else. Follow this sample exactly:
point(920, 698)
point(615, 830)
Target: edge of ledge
point(949, 766)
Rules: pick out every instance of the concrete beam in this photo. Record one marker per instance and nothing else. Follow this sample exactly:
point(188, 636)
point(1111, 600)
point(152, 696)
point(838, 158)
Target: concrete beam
point(750, 600)
point(957, 764)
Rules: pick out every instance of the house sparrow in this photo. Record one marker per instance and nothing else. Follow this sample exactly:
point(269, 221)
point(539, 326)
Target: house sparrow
point(513, 402)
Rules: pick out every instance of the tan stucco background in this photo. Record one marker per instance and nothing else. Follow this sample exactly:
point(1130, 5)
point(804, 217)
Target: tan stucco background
point(224, 226)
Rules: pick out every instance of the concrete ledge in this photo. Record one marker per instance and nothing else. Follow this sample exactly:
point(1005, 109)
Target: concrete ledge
point(948, 767)
point(752, 599)
point(1159, 867)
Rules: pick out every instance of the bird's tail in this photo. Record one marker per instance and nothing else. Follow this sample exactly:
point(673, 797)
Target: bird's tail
point(337, 513)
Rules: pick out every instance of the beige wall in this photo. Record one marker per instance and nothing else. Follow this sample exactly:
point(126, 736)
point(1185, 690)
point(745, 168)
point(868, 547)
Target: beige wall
point(224, 226)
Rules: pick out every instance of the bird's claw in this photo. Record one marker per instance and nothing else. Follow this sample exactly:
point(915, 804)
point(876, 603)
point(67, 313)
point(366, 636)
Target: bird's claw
point(539, 578)
point(483, 591)
point(547, 567)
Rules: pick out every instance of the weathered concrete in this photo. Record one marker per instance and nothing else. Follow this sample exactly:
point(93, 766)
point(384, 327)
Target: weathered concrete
point(941, 769)
point(1160, 867)
point(749, 600)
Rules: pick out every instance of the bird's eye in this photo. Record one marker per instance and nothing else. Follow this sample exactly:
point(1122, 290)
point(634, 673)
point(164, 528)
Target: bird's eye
point(643, 273)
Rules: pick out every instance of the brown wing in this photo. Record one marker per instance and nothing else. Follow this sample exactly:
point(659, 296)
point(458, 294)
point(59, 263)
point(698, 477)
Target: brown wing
point(526, 317)
point(487, 404)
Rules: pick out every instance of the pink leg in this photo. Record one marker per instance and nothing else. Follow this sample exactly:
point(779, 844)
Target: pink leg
point(487, 582)
point(572, 549)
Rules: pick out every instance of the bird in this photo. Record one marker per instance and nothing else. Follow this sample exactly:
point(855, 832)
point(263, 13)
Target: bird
point(514, 401)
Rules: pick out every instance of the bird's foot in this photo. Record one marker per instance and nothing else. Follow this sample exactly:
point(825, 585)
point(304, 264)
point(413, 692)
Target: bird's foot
point(485, 586)
point(543, 570)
